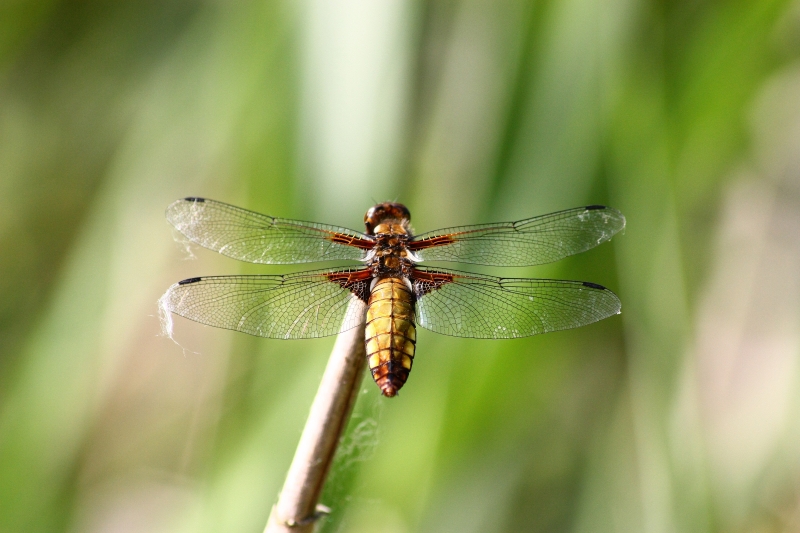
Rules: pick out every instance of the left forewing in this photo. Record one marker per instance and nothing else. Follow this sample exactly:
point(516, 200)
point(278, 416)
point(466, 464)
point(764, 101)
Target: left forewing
point(256, 238)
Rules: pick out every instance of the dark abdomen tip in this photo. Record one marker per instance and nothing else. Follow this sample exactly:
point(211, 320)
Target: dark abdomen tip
point(388, 390)
point(390, 378)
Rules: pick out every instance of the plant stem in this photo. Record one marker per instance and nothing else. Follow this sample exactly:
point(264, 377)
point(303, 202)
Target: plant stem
point(297, 508)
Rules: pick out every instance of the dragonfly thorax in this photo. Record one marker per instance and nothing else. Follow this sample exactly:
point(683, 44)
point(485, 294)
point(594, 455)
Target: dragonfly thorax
point(390, 256)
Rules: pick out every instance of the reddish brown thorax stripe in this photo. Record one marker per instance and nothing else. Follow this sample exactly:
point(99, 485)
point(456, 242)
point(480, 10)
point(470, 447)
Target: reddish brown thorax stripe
point(441, 240)
point(345, 279)
point(343, 238)
point(390, 334)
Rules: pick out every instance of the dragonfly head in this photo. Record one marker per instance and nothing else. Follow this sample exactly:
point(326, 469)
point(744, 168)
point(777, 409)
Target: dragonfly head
point(386, 212)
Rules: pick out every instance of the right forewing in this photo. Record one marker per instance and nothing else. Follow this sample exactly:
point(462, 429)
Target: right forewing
point(533, 241)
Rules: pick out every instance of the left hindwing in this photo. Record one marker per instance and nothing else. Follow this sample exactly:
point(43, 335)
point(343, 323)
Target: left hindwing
point(295, 306)
point(486, 307)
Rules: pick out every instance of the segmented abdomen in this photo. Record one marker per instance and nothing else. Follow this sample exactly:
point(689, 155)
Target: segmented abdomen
point(390, 334)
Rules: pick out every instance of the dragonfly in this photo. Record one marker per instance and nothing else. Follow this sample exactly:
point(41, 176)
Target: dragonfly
point(389, 291)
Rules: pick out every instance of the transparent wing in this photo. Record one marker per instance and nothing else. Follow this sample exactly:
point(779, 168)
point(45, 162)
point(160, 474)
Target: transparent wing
point(296, 306)
point(533, 241)
point(257, 238)
point(485, 307)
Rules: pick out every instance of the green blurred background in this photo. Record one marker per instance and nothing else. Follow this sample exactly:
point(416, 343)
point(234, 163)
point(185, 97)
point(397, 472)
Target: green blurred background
point(680, 415)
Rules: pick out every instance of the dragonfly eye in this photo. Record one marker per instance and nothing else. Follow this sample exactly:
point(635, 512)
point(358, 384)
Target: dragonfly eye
point(385, 212)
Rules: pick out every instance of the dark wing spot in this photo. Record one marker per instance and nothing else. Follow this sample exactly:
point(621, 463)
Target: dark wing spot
point(425, 281)
point(356, 282)
point(594, 207)
point(194, 199)
point(188, 281)
point(594, 285)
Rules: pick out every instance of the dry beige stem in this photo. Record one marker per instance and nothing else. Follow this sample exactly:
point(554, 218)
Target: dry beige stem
point(297, 508)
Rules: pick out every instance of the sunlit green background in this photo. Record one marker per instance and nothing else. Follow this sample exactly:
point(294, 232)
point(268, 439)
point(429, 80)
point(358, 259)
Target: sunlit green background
point(680, 415)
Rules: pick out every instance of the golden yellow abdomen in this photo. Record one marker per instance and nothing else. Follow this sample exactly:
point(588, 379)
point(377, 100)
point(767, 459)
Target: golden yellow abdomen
point(391, 335)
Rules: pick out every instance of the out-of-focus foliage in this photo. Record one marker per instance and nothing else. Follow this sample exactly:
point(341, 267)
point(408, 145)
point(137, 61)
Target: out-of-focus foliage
point(682, 414)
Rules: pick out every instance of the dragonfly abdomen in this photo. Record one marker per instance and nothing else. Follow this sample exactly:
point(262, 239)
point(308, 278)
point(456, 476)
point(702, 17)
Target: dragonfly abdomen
point(390, 333)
